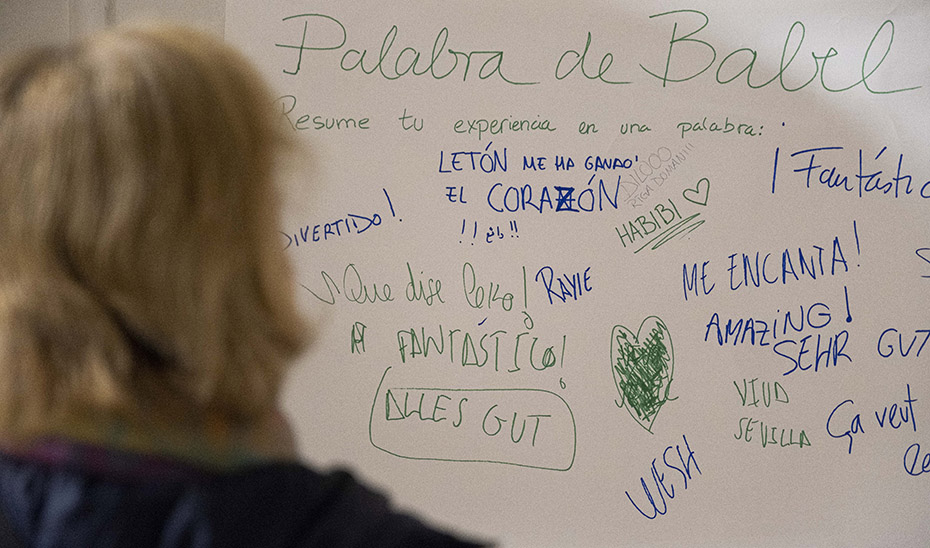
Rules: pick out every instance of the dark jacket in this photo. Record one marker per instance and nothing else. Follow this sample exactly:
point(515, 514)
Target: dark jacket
point(116, 500)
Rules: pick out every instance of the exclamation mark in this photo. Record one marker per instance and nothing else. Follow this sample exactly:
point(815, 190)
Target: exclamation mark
point(848, 313)
point(463, 229)
point(775, 169)
point(513, 229)
point(858, 249)
point(390, 204)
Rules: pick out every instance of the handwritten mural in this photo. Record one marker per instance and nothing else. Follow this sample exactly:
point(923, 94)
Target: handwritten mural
point(736, 196)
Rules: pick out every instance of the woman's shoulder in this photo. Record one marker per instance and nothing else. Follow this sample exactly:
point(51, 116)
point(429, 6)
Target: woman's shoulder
point(329, 508)
point(91, 493)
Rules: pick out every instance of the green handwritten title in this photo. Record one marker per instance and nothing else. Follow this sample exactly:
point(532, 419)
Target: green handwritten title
point(688, 56)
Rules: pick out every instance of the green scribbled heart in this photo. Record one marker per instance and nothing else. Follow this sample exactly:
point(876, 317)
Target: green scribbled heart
point(642, 365)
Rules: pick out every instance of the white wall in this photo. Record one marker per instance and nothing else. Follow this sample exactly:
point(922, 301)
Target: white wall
point(209, 14)
point(25, 23)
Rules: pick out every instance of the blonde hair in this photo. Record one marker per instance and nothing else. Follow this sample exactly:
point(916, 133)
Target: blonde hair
point(139, 256)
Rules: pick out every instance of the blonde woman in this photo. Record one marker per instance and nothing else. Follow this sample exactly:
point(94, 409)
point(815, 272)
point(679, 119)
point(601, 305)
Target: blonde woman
point(146, 309)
